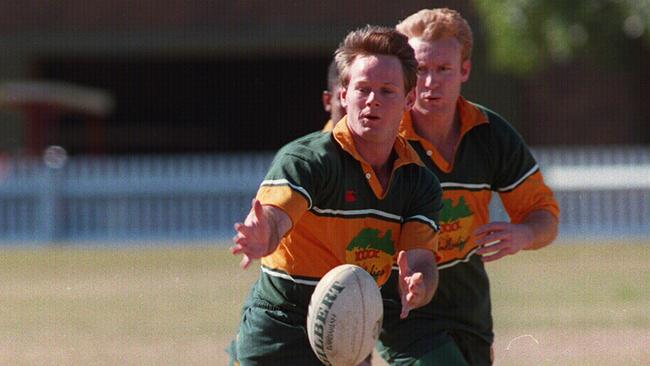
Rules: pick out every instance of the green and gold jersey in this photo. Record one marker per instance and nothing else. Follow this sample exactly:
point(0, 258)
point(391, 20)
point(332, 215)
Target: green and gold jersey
point(341, 214)
point(329, 126)
point(490, 157)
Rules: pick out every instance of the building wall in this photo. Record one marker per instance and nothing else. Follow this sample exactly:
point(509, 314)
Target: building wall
point(219, 76)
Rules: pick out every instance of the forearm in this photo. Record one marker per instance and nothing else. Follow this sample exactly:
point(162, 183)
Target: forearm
point(544, 227)
point(279, 223)
point(274, 224)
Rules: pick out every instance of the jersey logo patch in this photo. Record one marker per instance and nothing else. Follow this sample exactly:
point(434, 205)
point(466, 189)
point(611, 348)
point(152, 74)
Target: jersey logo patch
point(455, 229)
point(372, 252)
point(350, 196)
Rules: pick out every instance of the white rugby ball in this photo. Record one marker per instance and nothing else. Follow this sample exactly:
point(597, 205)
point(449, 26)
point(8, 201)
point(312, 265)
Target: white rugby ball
point(345, 316)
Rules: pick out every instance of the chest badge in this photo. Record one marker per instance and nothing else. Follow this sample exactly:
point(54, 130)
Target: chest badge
point(350, 196)
point(373, 252)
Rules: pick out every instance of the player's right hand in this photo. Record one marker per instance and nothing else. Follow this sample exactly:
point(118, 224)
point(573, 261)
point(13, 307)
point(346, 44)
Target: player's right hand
point(253, 235)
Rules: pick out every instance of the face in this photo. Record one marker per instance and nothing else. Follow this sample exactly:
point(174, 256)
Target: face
point(440, 74)
point(332, 104)
point(375, 98)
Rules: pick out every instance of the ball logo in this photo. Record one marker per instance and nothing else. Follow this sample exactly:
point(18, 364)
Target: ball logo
point(373, 252)
point(344, 316)
point(322, 341)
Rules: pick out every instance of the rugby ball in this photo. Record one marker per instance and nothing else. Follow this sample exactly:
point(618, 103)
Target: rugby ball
point(345, 315)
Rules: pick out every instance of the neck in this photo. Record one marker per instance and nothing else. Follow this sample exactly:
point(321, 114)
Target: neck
point(377, 155)
point(436, 128)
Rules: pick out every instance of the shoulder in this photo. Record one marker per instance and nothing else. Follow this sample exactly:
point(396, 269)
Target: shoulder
point(419, 177)
point(312, 147)
point(498, 126)
point(317, 153)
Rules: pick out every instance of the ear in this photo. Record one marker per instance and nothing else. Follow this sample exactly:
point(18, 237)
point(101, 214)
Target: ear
point(343, 93)
point(410, 100)
point(465, 69)
point(327, 98)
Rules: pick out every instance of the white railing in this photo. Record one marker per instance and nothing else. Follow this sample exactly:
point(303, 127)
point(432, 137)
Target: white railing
point(131, 198)
point(603, 193)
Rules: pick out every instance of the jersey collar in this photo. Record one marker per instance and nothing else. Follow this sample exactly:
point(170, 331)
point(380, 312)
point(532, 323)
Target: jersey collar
point(470, 117)
point(405, 154)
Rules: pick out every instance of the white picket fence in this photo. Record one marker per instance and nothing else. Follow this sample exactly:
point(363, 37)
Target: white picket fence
point(130, 198)
point(603, 193)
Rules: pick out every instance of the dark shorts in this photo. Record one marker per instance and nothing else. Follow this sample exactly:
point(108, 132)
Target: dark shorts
point(270, 336)
point(476, 350)
point(411, 342)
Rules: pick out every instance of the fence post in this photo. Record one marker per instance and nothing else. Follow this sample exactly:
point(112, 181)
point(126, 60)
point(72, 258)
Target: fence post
point(47, 205)
point(50, 219)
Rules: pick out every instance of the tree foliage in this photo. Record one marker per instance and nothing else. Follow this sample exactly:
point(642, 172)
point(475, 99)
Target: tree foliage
point(524, 36)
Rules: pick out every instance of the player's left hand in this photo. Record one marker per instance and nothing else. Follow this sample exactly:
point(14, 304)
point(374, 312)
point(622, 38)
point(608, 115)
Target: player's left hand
point(411, 285)
point(499, 239)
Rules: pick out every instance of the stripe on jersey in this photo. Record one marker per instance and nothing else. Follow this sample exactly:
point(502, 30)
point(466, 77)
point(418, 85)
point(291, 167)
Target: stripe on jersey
point(425, 220)
point(284, 182)
point(515, 184)
point(286, 276)
point(353, 213)
point(452, 263)
point(463, 260)
point(468, 186)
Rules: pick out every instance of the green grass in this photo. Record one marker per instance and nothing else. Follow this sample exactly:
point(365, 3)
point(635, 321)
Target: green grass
point(132, 306)
point(564, 305)
point(573, 305)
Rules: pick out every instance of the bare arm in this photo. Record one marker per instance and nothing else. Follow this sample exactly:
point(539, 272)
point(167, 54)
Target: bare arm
point(260, 234)
point(544, 227)
point(418, 278)
point(499, 239)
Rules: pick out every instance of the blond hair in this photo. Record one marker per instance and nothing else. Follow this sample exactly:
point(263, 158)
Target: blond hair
point(433, 24)
point(375, 40)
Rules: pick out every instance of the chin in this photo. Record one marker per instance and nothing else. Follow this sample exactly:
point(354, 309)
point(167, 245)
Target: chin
point(432, 106)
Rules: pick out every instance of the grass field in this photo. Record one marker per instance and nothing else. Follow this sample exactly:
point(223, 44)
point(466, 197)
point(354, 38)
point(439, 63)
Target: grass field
point(565, 305)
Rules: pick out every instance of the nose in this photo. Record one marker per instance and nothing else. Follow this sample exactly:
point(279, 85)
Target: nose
point(430, 79)
point(372, 99)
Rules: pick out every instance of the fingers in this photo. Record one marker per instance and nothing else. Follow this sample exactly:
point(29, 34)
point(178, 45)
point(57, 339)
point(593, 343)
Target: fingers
point(411, 285)
point(244, 239)
point(402, 264)
point(404, 272)
point(493, 257)
point(415, 283)
point(491, 233)
point(411, 295)
point(492, 247)
point(406, 308)
point(245, 262)
point(496, 251)
point(493, 226)
point(491, 237)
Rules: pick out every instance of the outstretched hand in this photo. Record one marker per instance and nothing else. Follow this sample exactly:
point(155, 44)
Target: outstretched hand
point(499, 239)
point(412, 287)
point(256, 237)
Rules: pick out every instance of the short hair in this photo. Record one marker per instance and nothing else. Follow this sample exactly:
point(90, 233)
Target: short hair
point(433, 24)
point(375, 40)
point(332, 77)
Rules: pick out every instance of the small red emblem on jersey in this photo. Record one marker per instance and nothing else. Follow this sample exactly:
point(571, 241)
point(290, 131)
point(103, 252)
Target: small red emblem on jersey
point(438, 257)
point(350, 196)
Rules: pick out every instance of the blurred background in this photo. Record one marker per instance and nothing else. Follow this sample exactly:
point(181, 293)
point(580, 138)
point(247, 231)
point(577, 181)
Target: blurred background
point(156, 120)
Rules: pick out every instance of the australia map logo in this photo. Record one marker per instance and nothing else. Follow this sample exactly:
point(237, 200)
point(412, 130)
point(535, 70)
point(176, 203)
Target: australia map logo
point(373, 252)
point(455, 225)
